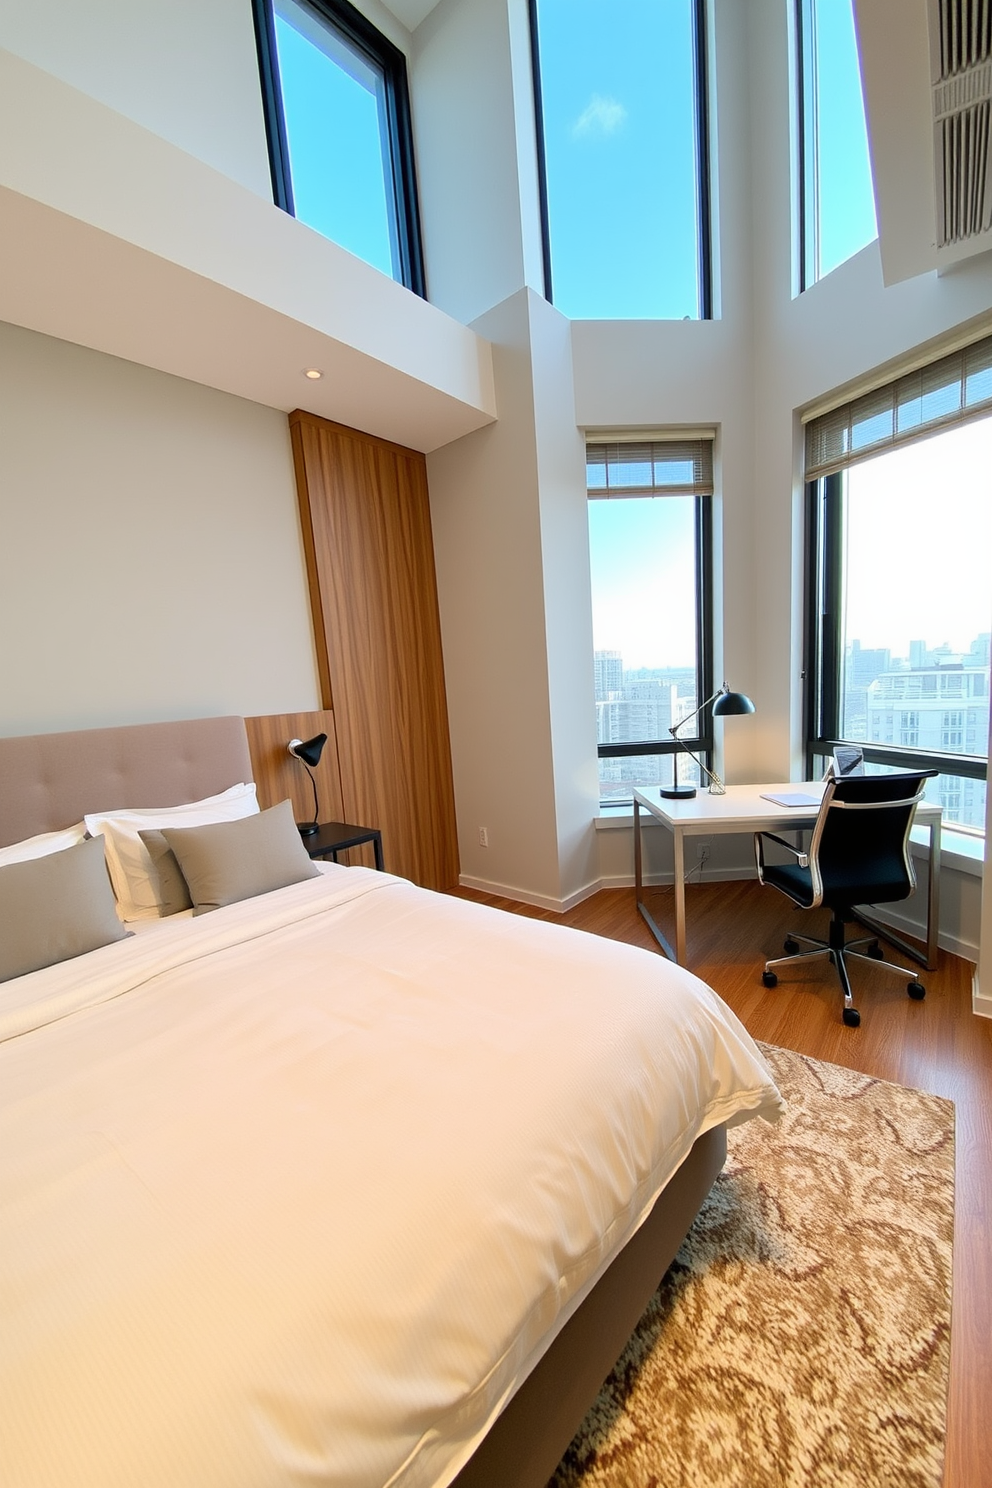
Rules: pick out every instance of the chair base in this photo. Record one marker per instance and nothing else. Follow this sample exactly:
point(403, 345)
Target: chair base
point(837, 951)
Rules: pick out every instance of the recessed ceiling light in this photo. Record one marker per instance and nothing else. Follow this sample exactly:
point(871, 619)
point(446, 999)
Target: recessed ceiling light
point(314, 373)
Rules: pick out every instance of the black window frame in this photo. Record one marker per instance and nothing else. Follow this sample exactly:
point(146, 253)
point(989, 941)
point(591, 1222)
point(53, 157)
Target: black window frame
point(704, 225)
point(806, 159)
point(701, 742)
point(360, 33)
point(823, 660)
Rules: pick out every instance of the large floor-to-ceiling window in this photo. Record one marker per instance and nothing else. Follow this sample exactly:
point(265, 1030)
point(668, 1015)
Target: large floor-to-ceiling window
point(900, 586)
point(650, 546)
point(621, 100)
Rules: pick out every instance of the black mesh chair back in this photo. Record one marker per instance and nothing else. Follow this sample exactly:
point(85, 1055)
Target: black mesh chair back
point(858, 854)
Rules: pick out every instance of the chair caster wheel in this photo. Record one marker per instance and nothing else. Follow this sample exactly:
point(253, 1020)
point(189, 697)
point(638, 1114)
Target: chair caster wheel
point(791, 946)
point(769, 978)
point(852, 1017)
point(875, 951)
point(917, 991)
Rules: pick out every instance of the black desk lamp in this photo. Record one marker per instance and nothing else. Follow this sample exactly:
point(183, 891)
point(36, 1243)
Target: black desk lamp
point(308, 752)
point(725, 703)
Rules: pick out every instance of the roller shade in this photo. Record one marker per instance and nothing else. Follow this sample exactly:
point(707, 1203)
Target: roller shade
point(950, 391)
point(653, 467)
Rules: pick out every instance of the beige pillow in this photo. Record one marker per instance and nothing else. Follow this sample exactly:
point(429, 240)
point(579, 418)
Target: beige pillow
point(229, 861)
point(165, 875)
point(55, 907)
point(127, 857)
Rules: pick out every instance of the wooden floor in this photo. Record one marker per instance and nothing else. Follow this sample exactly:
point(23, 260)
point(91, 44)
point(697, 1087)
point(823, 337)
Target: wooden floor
point(936, 1045)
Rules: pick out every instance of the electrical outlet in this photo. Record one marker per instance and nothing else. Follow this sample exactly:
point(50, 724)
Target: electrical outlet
point(703, 845)
point(483, 836)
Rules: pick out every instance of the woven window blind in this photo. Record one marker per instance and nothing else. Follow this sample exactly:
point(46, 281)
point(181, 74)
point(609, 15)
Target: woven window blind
point(957, 388)
point(653, 467)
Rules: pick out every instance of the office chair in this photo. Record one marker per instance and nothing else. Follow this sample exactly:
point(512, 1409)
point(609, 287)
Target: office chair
point(858, 854)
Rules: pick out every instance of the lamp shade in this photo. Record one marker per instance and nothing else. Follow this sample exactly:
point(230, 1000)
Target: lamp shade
point(729, 703)
point(308, 750)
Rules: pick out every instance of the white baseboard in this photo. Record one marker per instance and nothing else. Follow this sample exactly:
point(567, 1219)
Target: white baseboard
point(981, 1006)
point(907, 926)
point(524, 896)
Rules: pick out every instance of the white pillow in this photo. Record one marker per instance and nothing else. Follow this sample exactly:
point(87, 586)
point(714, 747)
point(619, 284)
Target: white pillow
point(132, 872)
point(43, 844)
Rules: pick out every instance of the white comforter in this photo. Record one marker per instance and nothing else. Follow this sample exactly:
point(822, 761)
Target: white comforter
point(299, 1191)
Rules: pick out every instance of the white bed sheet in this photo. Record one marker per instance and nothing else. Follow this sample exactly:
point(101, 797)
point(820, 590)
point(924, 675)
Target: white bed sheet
point(298, 1191)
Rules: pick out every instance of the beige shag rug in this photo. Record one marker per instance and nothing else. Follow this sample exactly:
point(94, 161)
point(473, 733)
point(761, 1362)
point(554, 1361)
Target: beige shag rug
point(801, 1337)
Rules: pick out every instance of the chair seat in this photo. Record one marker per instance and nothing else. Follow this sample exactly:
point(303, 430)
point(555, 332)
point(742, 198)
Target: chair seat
point(867, 888)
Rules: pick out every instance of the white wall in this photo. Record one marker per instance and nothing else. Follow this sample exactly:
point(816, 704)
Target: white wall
point(478, 194)
point(151, 564)
point(485, 511)
point(186, 70)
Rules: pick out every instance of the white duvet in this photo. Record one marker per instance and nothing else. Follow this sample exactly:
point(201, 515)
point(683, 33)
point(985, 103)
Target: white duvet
point(298, 1192)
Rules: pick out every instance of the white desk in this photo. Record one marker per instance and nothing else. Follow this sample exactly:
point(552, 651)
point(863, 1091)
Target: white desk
point(742, 809)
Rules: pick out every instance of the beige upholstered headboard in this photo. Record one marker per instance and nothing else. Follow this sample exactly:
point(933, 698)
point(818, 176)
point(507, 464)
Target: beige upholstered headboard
point(49, 781)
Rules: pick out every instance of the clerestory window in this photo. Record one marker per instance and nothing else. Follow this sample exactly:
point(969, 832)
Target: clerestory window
point(836, 196)
point(337, 116)
point(620, 93)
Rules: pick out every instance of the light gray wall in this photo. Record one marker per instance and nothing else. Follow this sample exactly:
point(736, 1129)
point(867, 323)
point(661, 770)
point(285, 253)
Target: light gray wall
point(151, 564)
point(186, 70)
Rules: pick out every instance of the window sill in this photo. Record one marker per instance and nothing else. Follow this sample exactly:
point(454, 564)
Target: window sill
point(958, 850)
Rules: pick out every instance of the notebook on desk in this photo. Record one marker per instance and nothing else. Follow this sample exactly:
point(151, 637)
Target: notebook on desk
point(791, 798)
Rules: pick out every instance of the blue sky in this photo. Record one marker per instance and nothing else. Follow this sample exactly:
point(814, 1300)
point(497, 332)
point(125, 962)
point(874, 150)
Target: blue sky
point(335, 150)
point(617, 89)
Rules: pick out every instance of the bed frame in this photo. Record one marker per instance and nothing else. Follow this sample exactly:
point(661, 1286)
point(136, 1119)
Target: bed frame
point(48, 781)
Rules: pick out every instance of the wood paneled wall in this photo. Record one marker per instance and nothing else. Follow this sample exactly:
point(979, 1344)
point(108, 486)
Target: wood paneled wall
point(279, 776)
point(370, 561)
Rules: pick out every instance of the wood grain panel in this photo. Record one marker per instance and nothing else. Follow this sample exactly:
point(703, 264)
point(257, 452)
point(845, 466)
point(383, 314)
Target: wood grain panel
point(366, 519)
point(278, 775)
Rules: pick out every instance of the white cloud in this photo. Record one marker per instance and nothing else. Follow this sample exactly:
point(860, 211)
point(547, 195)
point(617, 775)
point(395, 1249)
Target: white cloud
point(600, 116)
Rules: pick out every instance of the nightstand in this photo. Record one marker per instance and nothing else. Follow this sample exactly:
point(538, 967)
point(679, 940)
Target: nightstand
point(331, 838)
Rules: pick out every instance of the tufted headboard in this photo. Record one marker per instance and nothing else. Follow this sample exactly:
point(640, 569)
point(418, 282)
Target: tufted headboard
point(48, 781)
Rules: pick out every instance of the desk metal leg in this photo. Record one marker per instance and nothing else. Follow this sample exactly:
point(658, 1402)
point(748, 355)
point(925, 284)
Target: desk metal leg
point(679, 897)
point(377, 850)
point(639, 892)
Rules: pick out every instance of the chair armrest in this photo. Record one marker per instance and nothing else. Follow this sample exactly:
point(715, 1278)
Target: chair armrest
point(802, 858)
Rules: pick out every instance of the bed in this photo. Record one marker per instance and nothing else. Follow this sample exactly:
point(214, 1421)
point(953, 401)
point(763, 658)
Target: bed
point(346, 1183)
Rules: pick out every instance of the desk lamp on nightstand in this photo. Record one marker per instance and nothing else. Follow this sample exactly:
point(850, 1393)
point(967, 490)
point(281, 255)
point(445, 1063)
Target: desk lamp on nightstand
point(725, 704)
point(308, 752)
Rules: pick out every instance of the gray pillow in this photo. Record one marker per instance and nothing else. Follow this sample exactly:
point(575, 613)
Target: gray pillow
point(54, 908)
point(228, 861)
point(171, 892)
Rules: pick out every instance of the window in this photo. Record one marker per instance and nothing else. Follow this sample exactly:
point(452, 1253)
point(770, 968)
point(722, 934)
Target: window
point(620, 95)
point(651, 555)
point(338, 121)
point(837, 203)
point(900, 591)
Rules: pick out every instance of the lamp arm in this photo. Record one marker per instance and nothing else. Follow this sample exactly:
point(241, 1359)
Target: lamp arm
point(674, 730)
point(717, 787)
point(313, 786)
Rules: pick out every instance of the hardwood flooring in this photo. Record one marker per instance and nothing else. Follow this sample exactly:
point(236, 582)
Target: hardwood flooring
point(937, 1045)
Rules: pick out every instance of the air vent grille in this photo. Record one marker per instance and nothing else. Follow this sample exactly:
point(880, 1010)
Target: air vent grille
point(965, 30)
point(961, 74)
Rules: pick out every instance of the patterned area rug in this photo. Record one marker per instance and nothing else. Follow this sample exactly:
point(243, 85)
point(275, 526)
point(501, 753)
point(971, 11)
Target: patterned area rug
point(801, 1337)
